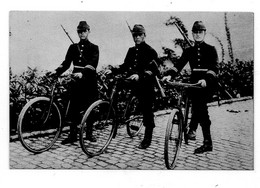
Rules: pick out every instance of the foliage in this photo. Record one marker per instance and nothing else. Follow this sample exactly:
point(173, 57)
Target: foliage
point(230, 49)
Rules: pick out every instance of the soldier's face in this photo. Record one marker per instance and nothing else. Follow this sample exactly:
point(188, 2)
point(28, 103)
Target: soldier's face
point(83, 34)
point(198, 36)
point(139, 38)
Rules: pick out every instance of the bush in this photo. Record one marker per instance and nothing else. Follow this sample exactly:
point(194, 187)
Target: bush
point(236, 78)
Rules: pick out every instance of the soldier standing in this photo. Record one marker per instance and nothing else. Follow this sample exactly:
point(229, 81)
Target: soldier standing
point(85, 56)
point(203, 60)
point(140, 67)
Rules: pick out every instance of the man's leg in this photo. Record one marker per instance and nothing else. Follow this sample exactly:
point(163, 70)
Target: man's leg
point(146, 99)
point(205, 125)
point(193, 124)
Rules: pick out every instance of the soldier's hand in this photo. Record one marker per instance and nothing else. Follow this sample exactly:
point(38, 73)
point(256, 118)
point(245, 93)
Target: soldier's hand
point(108, 71)
point(134, 77)
point(166, 78)
point(78, 75)
point(203, 83)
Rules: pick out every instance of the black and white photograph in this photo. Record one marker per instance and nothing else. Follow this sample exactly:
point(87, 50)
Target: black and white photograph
point(134, 91)
point(131, 90)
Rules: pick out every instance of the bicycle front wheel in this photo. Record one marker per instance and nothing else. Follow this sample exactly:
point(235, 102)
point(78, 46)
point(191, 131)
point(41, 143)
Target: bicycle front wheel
point(133, 117)
point(39, 125)
point(97, 128)
point(173, 138)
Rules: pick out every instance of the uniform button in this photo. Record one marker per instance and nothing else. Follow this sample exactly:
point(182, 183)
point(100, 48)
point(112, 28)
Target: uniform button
point(135, 60)
point(81, 50)
point(198, 59)
point(136, 48)
point(79, 60)
point(198, 65)
point(82, 45)
point(198, 48)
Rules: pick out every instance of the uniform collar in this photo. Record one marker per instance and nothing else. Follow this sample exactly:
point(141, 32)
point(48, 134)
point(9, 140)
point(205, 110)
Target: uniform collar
point(84, 42)
point(140, 45)
point(199, 44)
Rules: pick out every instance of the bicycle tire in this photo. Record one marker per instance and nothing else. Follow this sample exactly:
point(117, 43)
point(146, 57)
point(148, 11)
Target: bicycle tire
point(100, 120)
point(173, 138)
point(38, 129)
point(133, 117)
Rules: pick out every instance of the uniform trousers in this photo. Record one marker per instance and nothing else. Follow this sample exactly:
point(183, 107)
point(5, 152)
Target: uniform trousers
point(200, 115)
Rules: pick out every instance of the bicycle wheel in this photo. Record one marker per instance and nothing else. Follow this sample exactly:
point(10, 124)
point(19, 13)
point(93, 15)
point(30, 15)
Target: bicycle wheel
point(39, 125)
point(173, 138)
point(98, 121)
point(133, 117)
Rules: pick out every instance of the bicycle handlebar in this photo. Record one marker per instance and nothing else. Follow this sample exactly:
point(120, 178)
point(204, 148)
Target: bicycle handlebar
point(187, 85)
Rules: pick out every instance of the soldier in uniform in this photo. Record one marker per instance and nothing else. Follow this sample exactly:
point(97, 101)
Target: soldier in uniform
point(84, 56)
point(141, 68)
point(203, 60)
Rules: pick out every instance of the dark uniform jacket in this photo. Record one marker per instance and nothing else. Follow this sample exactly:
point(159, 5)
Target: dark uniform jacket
point(203, 60)
point(84, 56)
point(139, 59)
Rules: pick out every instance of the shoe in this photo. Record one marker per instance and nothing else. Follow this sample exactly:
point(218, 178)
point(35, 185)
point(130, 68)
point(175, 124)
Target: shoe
point(203, 148)
point(191, 135)
point(91, 138)
point(144, 144)
point(70, 139)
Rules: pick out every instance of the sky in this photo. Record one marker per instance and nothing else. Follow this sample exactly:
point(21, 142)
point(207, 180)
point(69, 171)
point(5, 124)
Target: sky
point(36, 38)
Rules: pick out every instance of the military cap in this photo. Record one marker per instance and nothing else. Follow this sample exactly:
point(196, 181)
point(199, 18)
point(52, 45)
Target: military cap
point(138, 28)
point(83, 26)
point(198, 26)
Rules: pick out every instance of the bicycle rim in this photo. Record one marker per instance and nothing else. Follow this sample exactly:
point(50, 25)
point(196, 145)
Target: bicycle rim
point(173, 139)
point(133, 117)
point(39, 125)
point(98, 121)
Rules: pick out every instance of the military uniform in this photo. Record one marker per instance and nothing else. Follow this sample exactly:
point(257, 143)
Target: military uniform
point(203, 60)
point(84, 57)
point(141, 60)
point(137, 61)
point(83, 91)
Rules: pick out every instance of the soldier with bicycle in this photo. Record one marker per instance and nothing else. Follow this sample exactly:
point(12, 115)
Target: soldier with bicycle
point(85, 56)
point(140, 68)
point(203, 60)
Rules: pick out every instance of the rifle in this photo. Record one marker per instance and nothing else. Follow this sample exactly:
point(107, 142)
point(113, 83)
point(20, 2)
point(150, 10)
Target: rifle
point(67, 34)
point(156, 78)
point(182, 33)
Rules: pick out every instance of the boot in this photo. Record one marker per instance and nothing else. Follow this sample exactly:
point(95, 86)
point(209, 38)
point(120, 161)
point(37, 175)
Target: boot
point(147, 138)
point(191, 135)
point(207, 146)
point(90, 136)
point(72, 136)
point(89, 131)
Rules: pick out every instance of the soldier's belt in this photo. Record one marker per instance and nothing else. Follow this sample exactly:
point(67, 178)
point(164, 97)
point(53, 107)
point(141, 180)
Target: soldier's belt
point(200, 70)
point(87, 66)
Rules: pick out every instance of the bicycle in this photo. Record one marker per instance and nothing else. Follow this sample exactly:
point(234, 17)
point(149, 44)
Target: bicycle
point(40, 121)
point(177, 124)
point(102, 120)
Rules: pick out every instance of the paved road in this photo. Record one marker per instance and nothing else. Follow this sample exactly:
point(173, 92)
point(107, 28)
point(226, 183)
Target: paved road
point(232, 132)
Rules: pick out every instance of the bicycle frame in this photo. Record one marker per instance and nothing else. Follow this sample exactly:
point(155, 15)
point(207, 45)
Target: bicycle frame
point(186, 100)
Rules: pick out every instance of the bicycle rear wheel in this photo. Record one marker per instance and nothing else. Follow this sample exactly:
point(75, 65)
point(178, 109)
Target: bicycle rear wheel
point(98, 121)
point(133, 117)
point(173, 138)
point(39, 125)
